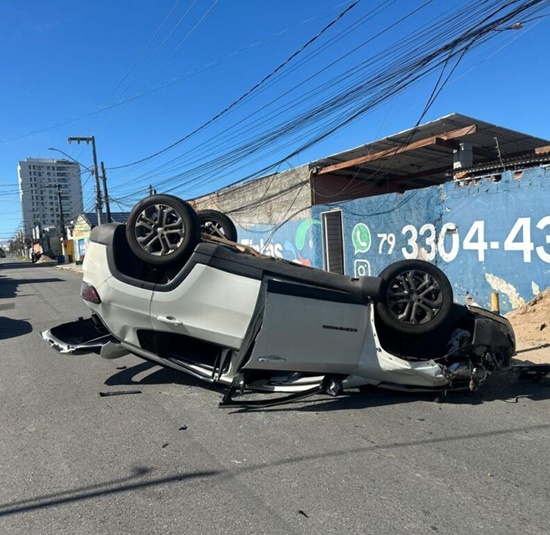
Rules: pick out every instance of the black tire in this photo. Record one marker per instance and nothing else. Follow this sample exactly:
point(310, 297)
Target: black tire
point(416, 297)
point(215, 223)
point(162, 229)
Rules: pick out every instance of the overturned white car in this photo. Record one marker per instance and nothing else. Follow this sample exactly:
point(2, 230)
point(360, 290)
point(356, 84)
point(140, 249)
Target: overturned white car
point(173, 287)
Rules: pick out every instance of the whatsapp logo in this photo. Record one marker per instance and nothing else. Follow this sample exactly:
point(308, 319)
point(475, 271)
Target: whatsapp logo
point(361, 238)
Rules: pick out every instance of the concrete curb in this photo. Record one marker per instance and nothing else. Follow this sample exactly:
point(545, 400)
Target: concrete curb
point(70, 267)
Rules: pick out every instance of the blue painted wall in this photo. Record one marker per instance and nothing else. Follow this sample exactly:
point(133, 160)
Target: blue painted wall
point(296, 240)
point(504, 230)
point(486, 235)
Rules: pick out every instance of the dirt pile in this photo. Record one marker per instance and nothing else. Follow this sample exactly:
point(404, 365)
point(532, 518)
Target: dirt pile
point(45, 259)
point(531, 324)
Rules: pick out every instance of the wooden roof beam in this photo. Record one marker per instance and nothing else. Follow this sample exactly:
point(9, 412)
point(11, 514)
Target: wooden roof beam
point(455, 134)
point(386, 175)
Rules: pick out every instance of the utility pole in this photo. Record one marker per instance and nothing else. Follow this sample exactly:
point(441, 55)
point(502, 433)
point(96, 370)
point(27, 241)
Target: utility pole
point(61, 217)
point(98, 203)
point(105, 194)
point(152, 191)
point(38, 224)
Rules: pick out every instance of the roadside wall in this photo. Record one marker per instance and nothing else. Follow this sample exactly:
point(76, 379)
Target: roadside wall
point(273, 215)
point(488, 235)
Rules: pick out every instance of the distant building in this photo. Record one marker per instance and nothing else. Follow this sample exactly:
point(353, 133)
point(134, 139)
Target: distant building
point(78, 232)
point(48, 188)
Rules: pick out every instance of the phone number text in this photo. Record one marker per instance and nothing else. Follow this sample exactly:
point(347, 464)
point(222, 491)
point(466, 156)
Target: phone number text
point(426, 243)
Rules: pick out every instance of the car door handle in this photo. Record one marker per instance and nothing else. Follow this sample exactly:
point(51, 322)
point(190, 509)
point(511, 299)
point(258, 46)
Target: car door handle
point(271, 359)
point(169, 319)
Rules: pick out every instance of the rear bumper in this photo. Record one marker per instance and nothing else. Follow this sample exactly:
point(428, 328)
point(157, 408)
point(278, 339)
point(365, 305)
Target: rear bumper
point(78, 337)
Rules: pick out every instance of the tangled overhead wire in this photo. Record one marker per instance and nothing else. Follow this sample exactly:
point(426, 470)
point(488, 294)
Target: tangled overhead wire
point(317, 107)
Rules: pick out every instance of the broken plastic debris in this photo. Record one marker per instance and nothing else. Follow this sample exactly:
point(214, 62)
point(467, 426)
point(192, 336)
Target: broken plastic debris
point(119, 393)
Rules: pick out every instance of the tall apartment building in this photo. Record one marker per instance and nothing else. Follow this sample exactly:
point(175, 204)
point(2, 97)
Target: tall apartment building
point(47, 185)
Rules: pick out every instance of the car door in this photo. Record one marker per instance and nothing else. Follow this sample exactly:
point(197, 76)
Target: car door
point(209, 304)
point(310, 329)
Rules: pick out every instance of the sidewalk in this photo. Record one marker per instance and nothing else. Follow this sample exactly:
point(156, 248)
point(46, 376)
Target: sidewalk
point(70, 267)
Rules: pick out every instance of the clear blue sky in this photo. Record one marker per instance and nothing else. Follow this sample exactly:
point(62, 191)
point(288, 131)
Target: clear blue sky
point(141, 75)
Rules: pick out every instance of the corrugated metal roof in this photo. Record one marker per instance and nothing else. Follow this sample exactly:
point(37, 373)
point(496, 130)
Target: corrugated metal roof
point(506, 164)
point(433, 163)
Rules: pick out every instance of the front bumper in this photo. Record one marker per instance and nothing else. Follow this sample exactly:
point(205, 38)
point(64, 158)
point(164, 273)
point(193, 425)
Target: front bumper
point(493, 339)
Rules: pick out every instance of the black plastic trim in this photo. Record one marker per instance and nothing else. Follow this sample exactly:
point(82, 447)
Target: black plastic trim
point(312, 292)
point(103, 234)
point(231, 260)
point(226, 258)
point(215, 256)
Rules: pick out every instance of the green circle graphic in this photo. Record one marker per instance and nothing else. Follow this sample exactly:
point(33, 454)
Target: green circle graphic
point(361, 238)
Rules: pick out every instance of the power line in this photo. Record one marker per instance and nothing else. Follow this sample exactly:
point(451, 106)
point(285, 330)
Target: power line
point(246, 94)
point(142, 53)
point(107, 107)
point(425, 53)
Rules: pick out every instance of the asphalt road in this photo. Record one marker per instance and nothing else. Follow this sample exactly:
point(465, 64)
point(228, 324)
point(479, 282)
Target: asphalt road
point(169, 461)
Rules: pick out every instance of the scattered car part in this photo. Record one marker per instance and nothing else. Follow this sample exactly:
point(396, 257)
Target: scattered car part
point(119, 393)
point(532, 372)
point(78, 337)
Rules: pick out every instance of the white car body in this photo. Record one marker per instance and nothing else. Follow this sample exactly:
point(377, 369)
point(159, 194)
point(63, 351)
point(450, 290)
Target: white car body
point(253, 323)
point(223, 318)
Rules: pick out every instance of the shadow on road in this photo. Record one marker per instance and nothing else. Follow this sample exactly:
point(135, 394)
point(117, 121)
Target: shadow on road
point(8, 285)
point(503, 386)
point(129, 484)
point(147, 373)
point(11, 328)
point(102, 489)
point(15, 265)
